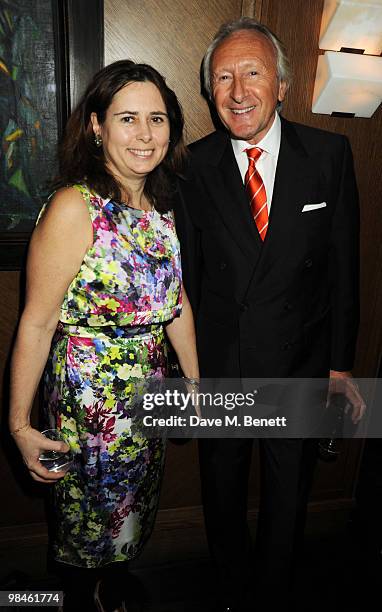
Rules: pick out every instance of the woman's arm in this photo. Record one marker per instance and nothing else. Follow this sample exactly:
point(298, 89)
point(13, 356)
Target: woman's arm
point(181, 333)
point(56, 251)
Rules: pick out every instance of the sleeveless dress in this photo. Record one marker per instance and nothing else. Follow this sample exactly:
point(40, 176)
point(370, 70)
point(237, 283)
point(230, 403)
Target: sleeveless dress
point(110, 337)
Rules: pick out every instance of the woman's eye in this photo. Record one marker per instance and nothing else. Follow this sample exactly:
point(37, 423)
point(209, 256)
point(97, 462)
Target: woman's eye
point(253, 73)
point(157, 119)
point(223, 77)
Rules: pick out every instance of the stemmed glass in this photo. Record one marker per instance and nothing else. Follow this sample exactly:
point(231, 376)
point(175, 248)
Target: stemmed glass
point(56, 461)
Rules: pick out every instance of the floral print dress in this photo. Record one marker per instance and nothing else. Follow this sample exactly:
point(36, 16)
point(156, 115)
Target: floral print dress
point(110, 337)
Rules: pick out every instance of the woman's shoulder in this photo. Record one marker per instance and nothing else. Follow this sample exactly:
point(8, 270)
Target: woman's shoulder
point(63, 233)
point(77, 192)
point(69, 203)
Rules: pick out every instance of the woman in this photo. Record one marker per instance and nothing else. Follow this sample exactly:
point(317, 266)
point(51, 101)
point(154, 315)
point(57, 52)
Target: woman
point(103, 279)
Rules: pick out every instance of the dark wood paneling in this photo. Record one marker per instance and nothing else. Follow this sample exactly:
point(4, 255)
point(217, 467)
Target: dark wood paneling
point(181, 485)
point(85, 23)
point(21, 502)
point(251, 8)
point(9, 312)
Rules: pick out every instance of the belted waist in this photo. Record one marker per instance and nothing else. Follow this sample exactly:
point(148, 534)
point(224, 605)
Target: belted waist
point(111, 331)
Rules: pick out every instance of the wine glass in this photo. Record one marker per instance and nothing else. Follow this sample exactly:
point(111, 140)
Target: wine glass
point(329, 448)
point(56, 461)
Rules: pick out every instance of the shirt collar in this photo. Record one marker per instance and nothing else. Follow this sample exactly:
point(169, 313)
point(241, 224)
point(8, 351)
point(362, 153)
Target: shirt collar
point(270, 143)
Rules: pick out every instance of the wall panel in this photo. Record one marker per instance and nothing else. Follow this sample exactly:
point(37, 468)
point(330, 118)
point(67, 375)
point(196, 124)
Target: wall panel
point(172, 35)
point(22, 500)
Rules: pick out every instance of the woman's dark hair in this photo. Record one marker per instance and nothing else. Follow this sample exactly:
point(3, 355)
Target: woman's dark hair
point(81, 161)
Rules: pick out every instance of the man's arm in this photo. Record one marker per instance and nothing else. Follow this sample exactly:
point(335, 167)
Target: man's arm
point(344, 267)
point(344, 274)
point(189, 238)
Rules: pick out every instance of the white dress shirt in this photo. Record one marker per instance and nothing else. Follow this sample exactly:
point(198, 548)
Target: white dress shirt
point(267, 163)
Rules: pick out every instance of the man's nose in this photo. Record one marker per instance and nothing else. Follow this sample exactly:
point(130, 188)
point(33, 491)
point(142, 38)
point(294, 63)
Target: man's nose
point(238, 90)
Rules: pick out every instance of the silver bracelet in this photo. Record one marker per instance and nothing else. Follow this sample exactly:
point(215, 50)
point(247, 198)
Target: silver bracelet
point(191, 381)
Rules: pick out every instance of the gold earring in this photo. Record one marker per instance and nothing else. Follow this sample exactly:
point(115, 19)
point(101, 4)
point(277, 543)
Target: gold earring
point(98, 140)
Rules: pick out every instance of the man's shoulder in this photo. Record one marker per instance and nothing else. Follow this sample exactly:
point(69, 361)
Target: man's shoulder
point(314, 136)
point(209, 145)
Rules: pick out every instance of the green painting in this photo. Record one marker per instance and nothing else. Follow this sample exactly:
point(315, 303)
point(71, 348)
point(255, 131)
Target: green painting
point(28, 110)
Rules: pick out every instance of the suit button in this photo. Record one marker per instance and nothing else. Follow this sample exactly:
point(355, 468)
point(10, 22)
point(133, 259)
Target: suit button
point(223, 265)
point(308, 263)
point(243, 306)
point(287, 346)
point(288, 306)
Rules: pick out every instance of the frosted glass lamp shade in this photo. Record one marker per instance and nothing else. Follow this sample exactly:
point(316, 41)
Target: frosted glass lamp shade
point(355, 24)
point(347, 83)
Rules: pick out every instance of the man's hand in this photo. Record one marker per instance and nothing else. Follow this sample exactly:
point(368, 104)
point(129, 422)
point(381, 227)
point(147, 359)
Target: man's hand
point(344, 384)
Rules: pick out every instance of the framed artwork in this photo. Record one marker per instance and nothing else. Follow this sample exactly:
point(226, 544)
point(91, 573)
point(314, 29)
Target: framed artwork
point(49, 50)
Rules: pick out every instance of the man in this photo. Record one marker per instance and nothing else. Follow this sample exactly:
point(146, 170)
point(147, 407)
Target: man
point(269, 232)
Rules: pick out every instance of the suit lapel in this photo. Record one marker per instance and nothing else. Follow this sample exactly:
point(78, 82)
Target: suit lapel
point(293, 177)
point(231, 200)
point(294, 174)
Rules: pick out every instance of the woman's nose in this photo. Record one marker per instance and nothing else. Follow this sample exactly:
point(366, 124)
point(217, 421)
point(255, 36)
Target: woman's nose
point(144, 132)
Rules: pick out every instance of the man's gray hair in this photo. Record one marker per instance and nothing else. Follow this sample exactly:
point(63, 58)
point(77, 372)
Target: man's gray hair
point(246, 23)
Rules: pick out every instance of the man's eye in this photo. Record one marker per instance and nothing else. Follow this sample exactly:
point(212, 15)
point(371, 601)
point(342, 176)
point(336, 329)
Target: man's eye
point(127, 119)
point(221, 78)
point(253, 73)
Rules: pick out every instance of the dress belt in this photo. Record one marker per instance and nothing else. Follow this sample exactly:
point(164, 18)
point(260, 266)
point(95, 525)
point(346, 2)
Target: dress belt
point(111, 331)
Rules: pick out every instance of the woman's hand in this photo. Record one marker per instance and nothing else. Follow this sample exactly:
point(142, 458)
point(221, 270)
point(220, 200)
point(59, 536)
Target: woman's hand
point(31, 443)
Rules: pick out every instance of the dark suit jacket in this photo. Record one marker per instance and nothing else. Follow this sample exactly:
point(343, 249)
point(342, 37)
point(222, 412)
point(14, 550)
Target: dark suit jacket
point(288, 307)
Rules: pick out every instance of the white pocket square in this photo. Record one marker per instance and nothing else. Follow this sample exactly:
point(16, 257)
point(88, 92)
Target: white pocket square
point(309, 207)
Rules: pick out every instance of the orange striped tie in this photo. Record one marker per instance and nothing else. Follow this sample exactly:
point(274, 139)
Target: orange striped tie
point(256, 192)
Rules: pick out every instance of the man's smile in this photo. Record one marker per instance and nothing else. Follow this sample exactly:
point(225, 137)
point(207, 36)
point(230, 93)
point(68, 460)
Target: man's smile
point(242, 111)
